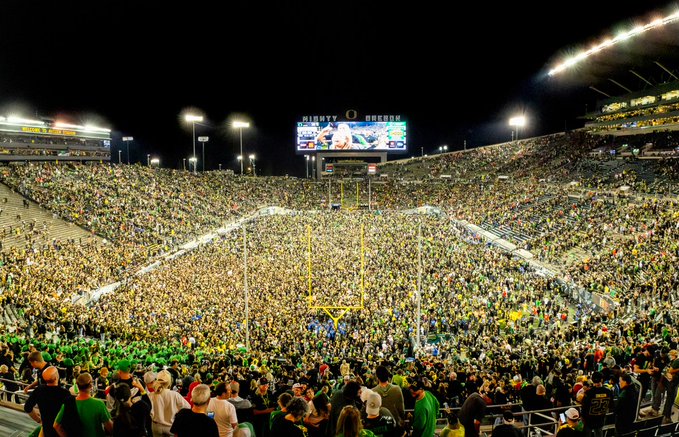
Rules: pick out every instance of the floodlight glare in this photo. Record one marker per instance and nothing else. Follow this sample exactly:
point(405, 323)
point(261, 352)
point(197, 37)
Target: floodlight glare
point(519, 121)
point(96, 129)
point(193, 118)
point(251, 156)
point(67, 125)
point(623, 36)
point(155, 161)
point(240, 124)
point(19, 120)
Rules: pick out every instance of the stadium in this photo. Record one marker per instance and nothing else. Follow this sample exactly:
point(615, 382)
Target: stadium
point(522, 288)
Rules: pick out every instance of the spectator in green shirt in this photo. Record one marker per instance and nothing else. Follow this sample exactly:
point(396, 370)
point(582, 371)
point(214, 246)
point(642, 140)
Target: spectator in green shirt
point(426, 410)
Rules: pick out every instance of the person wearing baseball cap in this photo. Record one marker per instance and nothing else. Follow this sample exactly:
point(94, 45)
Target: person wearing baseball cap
point(426, 409)
point(507, 428)
point(263, 404)
point(572, 427)
point(298, 390)
point(377, 420)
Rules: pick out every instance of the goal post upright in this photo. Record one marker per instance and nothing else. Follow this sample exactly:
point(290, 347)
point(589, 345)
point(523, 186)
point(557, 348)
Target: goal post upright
point(327, 308)
point(309, 260)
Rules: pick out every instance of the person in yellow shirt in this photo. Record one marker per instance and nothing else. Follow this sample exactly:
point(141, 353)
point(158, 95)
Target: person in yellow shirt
point(453, 427)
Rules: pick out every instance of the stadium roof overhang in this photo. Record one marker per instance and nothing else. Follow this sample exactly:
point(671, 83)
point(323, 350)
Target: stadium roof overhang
point(633, 67)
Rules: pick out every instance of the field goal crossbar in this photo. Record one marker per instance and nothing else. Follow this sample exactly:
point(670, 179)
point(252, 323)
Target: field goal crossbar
point(328, 308)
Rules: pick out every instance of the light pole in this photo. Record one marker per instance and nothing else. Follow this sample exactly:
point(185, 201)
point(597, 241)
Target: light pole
point(252, 163)
point(193, 119)
point(148, 160)
point(306, 166)
point(240, 162)
point(220, 166)
point(240, 125)
point(517, 123)
point(419, 285)
point(184, 163)
point(245, 286)
point(120, 153)
point(127, 142)
point(203, 140)
point(313, 167)
point(193, 160)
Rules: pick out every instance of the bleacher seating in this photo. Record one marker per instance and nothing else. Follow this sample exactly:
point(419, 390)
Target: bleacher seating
point(24, 223)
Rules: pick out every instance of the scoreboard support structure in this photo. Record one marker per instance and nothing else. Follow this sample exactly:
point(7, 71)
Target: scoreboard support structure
point(329, 308)
point(321, 155)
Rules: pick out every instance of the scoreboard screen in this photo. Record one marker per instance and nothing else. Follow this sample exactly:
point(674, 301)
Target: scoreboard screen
point(352, 136)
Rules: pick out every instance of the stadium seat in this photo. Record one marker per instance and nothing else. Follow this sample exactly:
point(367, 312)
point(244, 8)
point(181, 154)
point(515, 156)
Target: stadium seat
point(667, 430)
point(647, 432)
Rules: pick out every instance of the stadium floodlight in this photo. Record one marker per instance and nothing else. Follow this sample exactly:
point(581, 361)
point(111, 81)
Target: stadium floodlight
point(517, 123)
point(622, 36)
point(155, 161)
point(127, 144)
point(20, 120)
point(252, 162)
point(193, 119)
point(68, 125)
point(240, 125)
point(91, 128)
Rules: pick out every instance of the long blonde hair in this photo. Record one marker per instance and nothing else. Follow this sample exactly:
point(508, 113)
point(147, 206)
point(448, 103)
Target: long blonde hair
point(349, 422)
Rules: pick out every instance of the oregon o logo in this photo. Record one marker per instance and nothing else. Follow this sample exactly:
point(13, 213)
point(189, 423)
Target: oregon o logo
point(351, 114)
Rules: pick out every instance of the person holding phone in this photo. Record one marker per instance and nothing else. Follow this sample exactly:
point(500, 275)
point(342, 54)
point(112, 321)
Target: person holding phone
point(571, 425)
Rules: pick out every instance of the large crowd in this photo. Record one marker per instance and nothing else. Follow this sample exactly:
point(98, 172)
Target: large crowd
point(325, 286)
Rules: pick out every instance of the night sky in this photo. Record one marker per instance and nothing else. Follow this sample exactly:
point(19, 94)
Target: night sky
point(453, 70)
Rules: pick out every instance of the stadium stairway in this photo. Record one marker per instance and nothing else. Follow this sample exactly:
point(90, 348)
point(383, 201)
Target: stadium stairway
point(14, 422)
point(16, 217)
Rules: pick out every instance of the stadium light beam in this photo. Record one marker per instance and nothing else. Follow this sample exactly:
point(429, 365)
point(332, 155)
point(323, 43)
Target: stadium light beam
point(622, 36)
